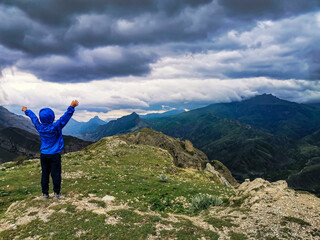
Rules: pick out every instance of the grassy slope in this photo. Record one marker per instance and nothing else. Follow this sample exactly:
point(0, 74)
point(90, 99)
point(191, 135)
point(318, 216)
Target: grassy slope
point(267, 148)
point(127, 172)
point(268, 112)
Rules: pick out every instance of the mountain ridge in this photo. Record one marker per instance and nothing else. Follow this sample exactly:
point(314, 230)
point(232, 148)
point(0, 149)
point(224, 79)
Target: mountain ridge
point(9, 119)
point(113, 187)
point(79, 129)
point(16, 142)
point(224, 132)
point(125, 124)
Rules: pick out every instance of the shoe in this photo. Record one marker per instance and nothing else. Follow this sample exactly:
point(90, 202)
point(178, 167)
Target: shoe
point(45, 196)
point(57, 196)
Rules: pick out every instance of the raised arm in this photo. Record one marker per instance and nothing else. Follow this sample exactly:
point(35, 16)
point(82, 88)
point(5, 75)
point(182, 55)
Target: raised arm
point(64, 119)
point(32, 116)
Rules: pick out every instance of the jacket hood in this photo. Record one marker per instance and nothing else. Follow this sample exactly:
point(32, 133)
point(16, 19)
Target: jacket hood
point(46, 115)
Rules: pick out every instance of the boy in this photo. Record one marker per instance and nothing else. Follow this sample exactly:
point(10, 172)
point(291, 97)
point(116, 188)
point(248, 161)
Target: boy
point(51, 145)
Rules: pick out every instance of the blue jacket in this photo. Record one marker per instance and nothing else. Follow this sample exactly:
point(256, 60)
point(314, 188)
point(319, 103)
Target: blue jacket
point(50, 132)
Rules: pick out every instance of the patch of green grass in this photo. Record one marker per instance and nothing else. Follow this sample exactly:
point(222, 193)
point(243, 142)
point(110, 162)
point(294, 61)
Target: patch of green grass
point(130, 174)
point(237, 202)
point(285, 230)
point(163, 202)
point(131, 177)
point(299, 221)
point(59, 207)
point(92, 226)
point(271, 238)
point(98, 202)
point(87, 225)
point(32, 214)
point(184, 229)
point(219, 223)
point(4, 193)
point(18, 183)
point(237, 236)
point(70, 208)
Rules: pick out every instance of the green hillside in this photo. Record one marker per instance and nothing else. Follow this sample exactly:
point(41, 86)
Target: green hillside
point(141, 179)
point(268, 112)
point(265, 112)
point(114, 189)
point(259, 137)
point(125, 124)
point(247, 151)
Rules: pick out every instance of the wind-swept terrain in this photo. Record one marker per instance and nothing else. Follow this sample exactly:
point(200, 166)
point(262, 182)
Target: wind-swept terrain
point(197, 119)
point(117, 189)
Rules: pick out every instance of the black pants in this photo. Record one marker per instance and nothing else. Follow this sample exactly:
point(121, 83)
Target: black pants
point(50, 163)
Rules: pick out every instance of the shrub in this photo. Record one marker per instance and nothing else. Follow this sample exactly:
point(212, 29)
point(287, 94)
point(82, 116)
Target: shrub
point(295, 220)
point(203, 201)
point(4, 193)
point(160, 203)
point(237, 236)
point(163, 178)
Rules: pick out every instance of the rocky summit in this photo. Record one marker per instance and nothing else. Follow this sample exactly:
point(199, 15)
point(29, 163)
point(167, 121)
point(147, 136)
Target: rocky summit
point(120, 189)
point(182, 152)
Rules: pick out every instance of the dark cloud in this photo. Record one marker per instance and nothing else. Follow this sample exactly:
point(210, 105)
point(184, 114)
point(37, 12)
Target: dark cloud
point(62, 41)
point(53, 12)
point(270, 9)
point(314, 63)
point(22, 33)
point(89, 64)
point(8, 57)
point(51, 34)
point(55, 27)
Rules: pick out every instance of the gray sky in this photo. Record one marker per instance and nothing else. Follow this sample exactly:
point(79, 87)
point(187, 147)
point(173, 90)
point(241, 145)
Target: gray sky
point(121, 56)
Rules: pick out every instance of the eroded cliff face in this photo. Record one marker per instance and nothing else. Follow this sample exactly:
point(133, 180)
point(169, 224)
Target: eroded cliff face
point(182, 152)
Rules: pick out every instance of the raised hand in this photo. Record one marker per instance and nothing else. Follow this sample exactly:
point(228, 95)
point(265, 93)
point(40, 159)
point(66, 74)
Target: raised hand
point(74, 103)
point(24, 109)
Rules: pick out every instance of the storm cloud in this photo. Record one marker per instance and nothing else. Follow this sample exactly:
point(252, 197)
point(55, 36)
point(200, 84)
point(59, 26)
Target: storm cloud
point(118, 56)
point(52, 37)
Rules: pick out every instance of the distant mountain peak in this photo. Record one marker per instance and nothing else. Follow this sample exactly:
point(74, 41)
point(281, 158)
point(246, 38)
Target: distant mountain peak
point(134, 114)
point(96, 120)
point(131, 116)
point(265, 98)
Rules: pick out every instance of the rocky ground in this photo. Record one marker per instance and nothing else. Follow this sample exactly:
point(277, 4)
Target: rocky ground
point(112, 190)
point(272, 210)
point(259, 210)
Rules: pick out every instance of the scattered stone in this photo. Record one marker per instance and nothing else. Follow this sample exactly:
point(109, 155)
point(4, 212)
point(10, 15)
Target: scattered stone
point(112, 220)
point(100, 211)
point(81, 232)
point(108, 198)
